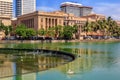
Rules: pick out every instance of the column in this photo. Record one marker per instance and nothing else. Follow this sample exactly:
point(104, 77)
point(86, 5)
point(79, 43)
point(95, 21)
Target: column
point(51, 22)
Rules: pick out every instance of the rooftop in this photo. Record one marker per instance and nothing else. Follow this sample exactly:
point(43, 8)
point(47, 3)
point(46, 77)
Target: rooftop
point(74, 4)
point(71, 3)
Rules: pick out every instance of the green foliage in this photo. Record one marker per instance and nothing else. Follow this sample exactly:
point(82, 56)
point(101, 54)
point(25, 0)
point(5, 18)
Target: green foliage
point(75, 29)
point(64, 32)
point(107, 26)
point(30, 32)
point(41, 32)
point(58, 31)
point(51, 32)
point(23, 31)
point(21, 26)
point(2, 26)
point(68, 32)
point(7, 29)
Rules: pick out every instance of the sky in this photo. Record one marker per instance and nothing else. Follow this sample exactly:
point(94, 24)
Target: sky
point(106, 7)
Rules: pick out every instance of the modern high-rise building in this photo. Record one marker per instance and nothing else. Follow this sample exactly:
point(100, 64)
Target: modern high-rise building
point(6, 7)
point(76, 9)
point(25, 7)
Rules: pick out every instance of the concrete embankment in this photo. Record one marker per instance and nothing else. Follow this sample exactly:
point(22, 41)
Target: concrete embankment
point(54, 41)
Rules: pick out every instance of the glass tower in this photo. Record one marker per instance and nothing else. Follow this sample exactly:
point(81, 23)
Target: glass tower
point(76, 9)
point(25, 7)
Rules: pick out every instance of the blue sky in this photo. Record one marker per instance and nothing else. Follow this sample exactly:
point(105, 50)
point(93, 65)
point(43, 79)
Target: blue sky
point(106, 7)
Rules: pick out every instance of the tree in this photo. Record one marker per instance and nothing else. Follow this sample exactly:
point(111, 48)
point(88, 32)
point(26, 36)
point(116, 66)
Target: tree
point(24, 32)
point(2, 27)
point(58, 31)
point(8, 30)
point(30, 32)
point(41, 32)
point(51, 32)
point(76, 31)
point(21, 30)
point(87, 27)
point(67, 32)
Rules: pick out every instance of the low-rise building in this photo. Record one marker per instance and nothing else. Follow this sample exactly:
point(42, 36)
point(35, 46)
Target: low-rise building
point(72, 20)
point(6, 20)
point(94, 17)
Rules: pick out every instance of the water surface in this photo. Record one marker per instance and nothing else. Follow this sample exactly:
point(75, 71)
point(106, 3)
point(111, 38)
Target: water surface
point(95, 61)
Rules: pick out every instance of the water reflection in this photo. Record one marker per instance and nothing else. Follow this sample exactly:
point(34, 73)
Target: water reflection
point(91, 58)
point(22, 63)
point(87, 60)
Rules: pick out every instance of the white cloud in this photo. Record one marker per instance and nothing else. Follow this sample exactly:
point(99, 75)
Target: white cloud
point(109, 9)
point(45, 8)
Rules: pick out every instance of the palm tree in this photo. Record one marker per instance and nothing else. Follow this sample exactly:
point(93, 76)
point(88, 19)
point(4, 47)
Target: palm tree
point(76, 31)
point(8, 30)
point(87, 27)
point(114, 28)
point(58, 29)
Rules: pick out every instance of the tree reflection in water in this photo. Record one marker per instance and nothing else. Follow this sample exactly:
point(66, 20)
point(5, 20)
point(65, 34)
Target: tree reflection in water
point(24, 63)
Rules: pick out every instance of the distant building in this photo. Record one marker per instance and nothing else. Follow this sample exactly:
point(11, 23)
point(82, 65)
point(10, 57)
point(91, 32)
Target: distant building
point(76, 9)
point(6, 7)
point(6, 20)
point(25, 7)
point(95, 17)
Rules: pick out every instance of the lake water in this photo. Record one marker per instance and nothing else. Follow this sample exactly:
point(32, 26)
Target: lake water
point(95, 61)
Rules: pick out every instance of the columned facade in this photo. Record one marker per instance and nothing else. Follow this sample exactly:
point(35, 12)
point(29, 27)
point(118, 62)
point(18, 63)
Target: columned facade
point(45, 20)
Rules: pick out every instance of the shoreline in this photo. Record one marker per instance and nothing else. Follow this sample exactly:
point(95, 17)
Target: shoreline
point(55, 41)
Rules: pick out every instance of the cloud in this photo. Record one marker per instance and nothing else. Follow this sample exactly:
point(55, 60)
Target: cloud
point(109, 9)
point(46, 8)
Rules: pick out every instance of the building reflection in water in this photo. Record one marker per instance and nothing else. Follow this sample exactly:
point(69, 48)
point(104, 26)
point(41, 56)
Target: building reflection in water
point(86, 60)
point(24, 66)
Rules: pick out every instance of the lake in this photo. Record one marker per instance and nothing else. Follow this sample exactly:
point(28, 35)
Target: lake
point(95, 61)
